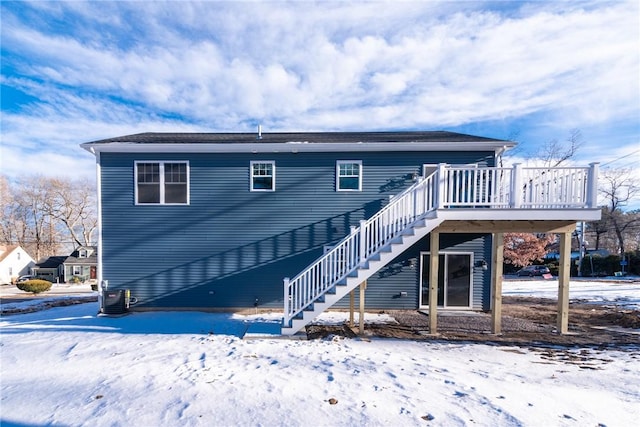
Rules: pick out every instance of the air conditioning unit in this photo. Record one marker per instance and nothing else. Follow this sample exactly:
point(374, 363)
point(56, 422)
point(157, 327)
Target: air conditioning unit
point(115, 301)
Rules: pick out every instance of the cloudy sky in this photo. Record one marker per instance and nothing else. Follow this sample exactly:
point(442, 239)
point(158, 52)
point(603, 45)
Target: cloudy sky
point(74, 72)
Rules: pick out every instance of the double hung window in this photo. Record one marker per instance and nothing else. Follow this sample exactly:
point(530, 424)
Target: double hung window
point(349, 175)
point(162, 183)
point(263, 176)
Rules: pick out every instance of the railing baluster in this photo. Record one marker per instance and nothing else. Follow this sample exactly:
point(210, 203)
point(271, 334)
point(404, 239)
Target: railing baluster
point(456, 186)
point(469, 187)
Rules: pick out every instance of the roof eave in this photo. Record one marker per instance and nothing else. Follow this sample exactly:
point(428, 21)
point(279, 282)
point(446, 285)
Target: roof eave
point(296, 147)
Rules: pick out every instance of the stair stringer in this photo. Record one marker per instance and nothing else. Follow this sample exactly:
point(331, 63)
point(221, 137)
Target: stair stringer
point(376, 261)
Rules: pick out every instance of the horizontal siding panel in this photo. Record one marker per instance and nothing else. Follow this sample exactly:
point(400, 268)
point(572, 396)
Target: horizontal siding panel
point(230, 247)
point(403, 274)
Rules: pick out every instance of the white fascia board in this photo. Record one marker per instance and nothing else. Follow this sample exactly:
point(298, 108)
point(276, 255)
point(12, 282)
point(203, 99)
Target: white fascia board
point(294, 147)
point(524, 214)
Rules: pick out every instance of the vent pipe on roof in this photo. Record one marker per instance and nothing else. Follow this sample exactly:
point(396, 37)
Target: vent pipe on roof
point(259, 132)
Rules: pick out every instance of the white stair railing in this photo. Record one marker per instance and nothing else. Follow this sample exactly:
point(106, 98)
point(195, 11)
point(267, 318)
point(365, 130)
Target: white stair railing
point(353, 251)
point(448, 187)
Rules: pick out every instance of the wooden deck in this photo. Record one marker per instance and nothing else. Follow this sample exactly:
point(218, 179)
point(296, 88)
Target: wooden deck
point(454, 199)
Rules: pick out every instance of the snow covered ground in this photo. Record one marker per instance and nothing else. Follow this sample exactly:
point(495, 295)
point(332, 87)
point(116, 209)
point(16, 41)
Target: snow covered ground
point(66, 366)
point(624, 293)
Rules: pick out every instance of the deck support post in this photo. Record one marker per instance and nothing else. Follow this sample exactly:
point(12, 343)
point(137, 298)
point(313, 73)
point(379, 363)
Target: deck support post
point(434, 260)
point(351, 306)
point(563, 283)
point(497, 259)
point(363, 286)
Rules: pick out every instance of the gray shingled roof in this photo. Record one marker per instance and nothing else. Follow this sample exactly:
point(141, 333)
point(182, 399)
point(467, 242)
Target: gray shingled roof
point(285, 137)
point(89, 260)
point(51, 262)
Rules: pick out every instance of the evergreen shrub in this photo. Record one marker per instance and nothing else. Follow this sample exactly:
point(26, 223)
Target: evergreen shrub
point(34, 286)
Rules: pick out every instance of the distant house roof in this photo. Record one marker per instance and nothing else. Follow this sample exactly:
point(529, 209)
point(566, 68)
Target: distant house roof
point(51, 262)
point(297, 141)
point(6, 250)
point(74, 258)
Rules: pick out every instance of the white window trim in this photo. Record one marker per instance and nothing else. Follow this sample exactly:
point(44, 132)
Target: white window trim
point(76, 270)
point(161, 164)
point(273, 175)
point(343, 162)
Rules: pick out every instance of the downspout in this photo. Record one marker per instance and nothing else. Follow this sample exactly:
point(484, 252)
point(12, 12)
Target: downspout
point(99, 275)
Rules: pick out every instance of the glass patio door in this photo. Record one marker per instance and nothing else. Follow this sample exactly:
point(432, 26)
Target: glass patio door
point(454, 280)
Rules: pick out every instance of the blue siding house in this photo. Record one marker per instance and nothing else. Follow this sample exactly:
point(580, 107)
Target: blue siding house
point(297, 221)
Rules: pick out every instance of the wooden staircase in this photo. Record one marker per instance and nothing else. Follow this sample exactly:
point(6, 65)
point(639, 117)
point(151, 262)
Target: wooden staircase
point(452, 192)
point(407, 218)
point(374, 263)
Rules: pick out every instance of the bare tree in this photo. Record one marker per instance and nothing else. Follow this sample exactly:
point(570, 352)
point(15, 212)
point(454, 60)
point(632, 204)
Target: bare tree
point(554, 152)
point(523, 248)
point(599, 228)
point(31, 199)
point(45, 215)
point(7, 223)
point(618, 187)
point(14, 228)
point(72, 203)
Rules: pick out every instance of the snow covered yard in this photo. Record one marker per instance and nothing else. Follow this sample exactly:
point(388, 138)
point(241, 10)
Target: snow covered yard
point(65, 366)
point(624, 293)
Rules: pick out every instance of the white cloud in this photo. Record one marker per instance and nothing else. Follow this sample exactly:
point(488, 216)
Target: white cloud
point(301, 66)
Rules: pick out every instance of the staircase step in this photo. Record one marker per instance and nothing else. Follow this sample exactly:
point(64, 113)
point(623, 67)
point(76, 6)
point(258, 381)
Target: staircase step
point(385, 254)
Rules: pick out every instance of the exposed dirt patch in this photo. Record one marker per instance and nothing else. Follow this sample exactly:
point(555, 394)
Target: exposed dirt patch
point(525, 321)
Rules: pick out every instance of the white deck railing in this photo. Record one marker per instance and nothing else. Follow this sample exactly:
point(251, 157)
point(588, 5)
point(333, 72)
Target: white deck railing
point(518, 187)
point(555, 188)
point(362, 242)
point(448, 187)
point(464, 186)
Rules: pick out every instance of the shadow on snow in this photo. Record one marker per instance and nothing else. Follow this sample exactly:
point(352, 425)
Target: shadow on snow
point(85, 318)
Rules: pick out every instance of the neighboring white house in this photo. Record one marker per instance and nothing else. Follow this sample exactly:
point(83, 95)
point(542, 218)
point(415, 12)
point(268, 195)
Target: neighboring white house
point(14, 262)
